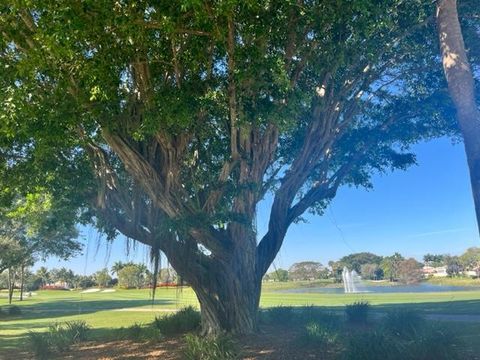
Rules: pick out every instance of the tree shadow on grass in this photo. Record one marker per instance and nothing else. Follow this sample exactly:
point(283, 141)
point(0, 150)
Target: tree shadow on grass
point(13, 347)
point(465, 307)
point(271, 344)
point(51, 309)
point(457, 307)
point(38, 317)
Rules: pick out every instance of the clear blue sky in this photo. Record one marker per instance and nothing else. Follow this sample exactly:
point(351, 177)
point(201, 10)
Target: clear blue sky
point(426, 209)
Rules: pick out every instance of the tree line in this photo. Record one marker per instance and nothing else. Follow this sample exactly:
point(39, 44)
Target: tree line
point(394, 268)
point(128, 275)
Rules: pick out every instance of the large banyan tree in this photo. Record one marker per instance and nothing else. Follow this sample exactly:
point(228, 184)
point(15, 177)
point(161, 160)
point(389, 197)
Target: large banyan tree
point(169, 121)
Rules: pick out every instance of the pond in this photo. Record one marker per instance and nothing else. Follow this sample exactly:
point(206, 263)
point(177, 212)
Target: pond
point(419, 288)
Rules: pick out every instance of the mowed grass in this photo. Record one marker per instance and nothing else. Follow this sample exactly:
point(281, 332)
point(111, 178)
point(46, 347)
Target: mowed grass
point(455, 281)
point(104, 311)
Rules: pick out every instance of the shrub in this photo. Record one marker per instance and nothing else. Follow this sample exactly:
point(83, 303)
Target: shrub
point(319, 336)
point(151, 333)
point(312, 314)
point(403, 322)
point(14, 310)
point(433, 341)
point(425, 342)
point(185, 320)
point(137, 332)
point(288, 315)
point(209, 348)
point(77, 330)
point(278, 315)
point(371, 346)
point(38, 343)
point(357, 312)
point(132, 332)
point(59, 338)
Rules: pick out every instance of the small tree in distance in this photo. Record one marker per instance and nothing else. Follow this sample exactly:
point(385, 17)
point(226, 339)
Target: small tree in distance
point(410, 271)
point(371, 272)
point(470, 259)
point(102, 278)
point(435, 260)
point(280, 275)
point(390, 266)
point(132, 276)
point(305, 270)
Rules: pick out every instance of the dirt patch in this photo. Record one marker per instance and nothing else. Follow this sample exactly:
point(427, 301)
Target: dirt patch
point(271, 343)
point(274, 343)
point(115, 350)
point(147, 310)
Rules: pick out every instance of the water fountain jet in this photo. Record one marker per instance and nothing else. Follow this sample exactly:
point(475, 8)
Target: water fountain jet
point(351, 281)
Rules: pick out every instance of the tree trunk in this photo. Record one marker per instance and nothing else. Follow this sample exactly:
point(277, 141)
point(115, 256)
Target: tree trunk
point(22, 281)
point(11, 284)
point(228, 289)
point(461, 88)
point(230, 304)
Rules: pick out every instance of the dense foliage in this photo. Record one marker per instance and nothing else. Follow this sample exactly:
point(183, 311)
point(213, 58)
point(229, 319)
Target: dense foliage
point(306, 270)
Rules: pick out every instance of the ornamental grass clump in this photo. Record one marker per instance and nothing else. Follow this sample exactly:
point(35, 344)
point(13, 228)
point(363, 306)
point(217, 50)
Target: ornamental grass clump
point(210, 348)
point(314, 314)
point(183, 321)
point(321, 337)
point(77, 330)
point(433, 341)
point(422, 341)
point(38, 344)
point(132, 332)
point(357, 312)
point(57, 339)
point(371, 345)
point(279, 315)
point(404, 323)
point(138, 332)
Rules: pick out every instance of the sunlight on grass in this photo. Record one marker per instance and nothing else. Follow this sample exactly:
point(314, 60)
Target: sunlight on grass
point(104, 311)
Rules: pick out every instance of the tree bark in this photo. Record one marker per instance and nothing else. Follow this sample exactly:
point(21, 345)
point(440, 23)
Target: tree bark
point(22, 281)
point(11, 284)
point(231, 307)
point(228, 289)
point(461, 88)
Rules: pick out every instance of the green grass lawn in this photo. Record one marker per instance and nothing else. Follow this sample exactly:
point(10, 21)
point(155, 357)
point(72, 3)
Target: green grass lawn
point(104, 311)
point(283, 285)
point(454, 281)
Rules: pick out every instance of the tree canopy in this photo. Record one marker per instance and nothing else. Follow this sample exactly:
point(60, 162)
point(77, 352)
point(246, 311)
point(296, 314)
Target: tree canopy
point(391, 265)
point(28, 232)
point(305, 270)
point(355, 261)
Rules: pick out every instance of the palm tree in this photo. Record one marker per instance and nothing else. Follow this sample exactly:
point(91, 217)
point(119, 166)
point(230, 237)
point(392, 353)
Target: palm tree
point(116, 267)
point(44, 275)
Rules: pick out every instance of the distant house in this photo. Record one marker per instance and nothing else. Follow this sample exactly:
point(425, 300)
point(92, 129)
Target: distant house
point(58, 285)
point(428, 270)
point(440, 271)
point(475, 272)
